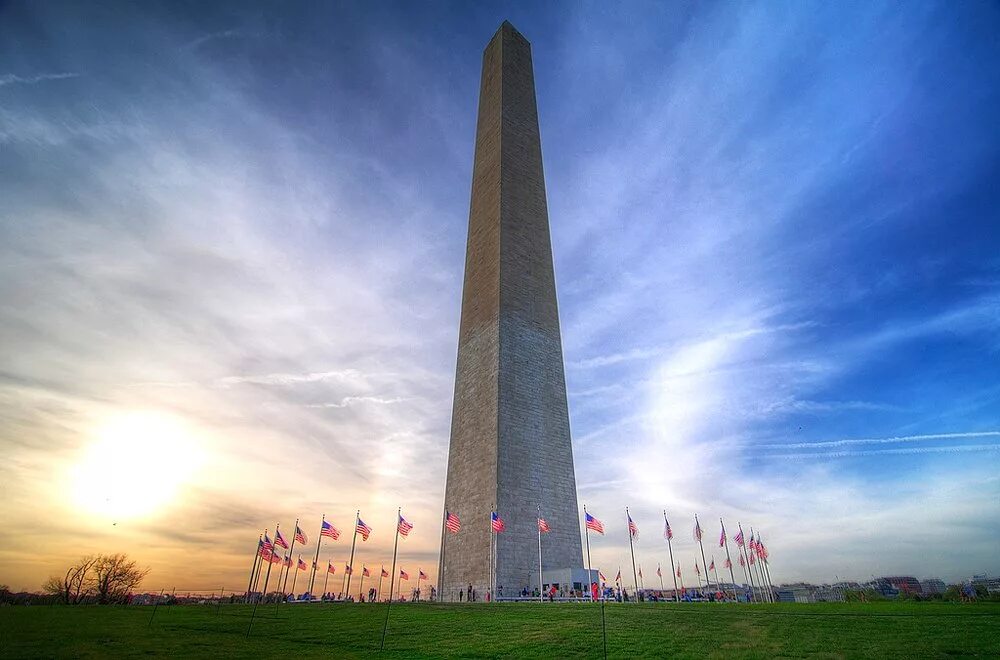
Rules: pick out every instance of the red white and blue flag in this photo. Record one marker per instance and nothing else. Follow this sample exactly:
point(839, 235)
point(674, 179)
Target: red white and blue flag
point(543, 526)
point(743, 562)
point(287, 562)
point(667, 532)
point(268, 546)
point(279, 540)
point(404, 527)
point(728, 564)
point(618, 578)
point(594, 524)
point(421, 575)
point(632, 529)
point(403, 575)
point(275, 558)
point(711, 565)
point(330, 568)
point(329, 531)
point(385, 573)
point(451, 522)
point(365, 572)
point(347, 569)
point(302, 565)
point(739, 538)
point(601, 575)
point(300, 536)
point(260, 547)
point(751, 559)
point(363, 529)
point(697, 530)
point(496, 523)
point(752, 543)
point(722, 538)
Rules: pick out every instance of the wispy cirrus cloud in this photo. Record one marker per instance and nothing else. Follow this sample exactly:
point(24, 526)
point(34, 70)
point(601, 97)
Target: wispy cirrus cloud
point(14, 79)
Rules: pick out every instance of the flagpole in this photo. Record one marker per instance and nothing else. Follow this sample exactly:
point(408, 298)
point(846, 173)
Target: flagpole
point(678, 575)
point(444, 548)
point(347, 575)
point(718, 587)
point(538, 524)
point(319, 542)
point(392, 578)
point(264, 593)
point(704, 564)
point(326, 579)
point(766, 569)
point(760, 574)
point(659, 572)
point(635, 578)
point(361, 586)
point(253, 568)
point(729, 560)
point(586, 531)
point(746, 565)
point(670, 549)
point(296, 576)
point(291, 551)
point(381, 574)
point(256, 577)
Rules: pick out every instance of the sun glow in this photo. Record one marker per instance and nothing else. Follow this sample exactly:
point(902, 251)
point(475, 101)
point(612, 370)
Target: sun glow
point(136, 465)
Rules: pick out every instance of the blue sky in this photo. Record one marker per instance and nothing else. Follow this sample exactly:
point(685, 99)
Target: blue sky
point(232, 240)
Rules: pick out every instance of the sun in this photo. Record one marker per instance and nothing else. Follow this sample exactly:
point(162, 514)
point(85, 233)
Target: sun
point(135, 466)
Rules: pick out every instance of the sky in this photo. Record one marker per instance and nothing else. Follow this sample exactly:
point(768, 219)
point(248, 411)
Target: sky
point(231, 255)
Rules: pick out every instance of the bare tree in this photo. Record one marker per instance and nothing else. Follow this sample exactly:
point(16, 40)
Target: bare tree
point(75, 585)
point(115, 576)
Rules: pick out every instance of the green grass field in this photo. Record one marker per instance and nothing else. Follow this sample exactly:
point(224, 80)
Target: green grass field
point(826, 630)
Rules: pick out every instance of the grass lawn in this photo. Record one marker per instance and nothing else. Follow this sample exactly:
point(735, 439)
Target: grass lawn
point(832, 630)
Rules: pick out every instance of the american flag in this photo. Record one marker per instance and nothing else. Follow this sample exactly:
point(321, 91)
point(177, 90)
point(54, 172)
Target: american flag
point(594, 524)
point(728, 564)
point(302, 565)
point(365, 572)
point(763, 550)
point(711, 565)
point(632, 529)
point(275, 558)
point(678, 570)
point(697, 530)
point(752, 543)
point(601, 575)
point(347, 569)
point(739, 538)
point(543, 526)
point(404, 527)
point(300, 536)
point(658, 573)
point(385, 573)
point(268, 546)
point(403, 575)
point(722, 538)
point(330, 568)
point(451, 522)
point(618, 578)
point(280, 540)
point(260, 547)
point(421, 575)
point(667, 532)
point(287, 562)
point(497, 522)
point(363, 529)
point(743, 562)
point(329, 531)
point(751, 559)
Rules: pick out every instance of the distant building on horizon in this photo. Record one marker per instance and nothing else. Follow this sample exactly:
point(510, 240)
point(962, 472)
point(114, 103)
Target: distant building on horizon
point(933, 586)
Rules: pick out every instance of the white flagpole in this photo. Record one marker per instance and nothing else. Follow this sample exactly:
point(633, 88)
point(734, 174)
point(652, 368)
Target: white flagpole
point(538, 524)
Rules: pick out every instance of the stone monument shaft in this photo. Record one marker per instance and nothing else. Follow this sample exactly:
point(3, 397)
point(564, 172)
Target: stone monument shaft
point(510, 437)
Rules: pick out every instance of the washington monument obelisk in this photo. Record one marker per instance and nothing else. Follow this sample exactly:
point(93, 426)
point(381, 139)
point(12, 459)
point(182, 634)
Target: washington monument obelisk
point(510, 440)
